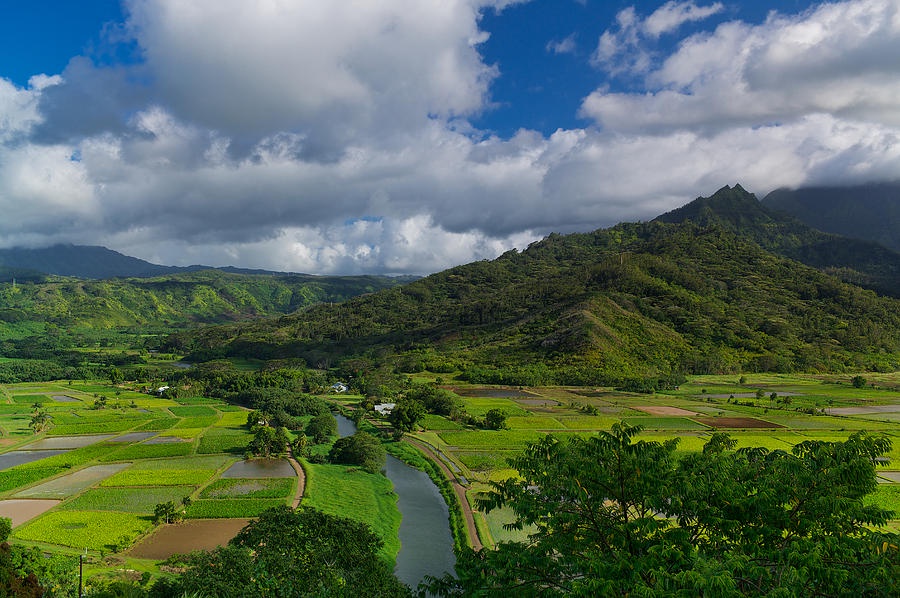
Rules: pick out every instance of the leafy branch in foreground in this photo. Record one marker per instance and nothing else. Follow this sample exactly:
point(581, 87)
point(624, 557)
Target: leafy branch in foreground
point(613, 516)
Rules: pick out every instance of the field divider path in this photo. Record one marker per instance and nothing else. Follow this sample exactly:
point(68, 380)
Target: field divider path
point(458, 488)
point(301, 478)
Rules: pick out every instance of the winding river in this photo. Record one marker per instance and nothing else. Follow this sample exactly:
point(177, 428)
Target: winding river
point(426, 544)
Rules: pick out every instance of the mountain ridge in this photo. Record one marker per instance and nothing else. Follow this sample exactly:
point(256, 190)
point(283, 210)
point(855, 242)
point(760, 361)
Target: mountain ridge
point(650, 300)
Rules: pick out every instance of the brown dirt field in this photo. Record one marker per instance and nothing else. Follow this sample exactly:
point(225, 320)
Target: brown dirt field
point(195, 534)
point(660, 410)
point(735, 422)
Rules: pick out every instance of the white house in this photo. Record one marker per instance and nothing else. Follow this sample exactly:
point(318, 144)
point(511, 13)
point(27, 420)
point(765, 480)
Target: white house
point(384, 409)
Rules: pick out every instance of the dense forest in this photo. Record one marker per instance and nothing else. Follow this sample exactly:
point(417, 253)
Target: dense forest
point(633, 303)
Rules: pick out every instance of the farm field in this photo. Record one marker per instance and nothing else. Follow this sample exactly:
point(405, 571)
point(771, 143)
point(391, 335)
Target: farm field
point(772, 411)
point(90, 481)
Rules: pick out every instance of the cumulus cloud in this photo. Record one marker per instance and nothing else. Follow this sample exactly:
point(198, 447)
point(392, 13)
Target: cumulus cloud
point(627, 47)
point(302, 137)
point(563, 46)
point(837, 59)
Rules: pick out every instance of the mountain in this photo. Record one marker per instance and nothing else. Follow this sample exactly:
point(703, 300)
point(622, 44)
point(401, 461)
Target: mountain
point(869, 212)
point(639, 301)
point(84, 261)
point(857, 261)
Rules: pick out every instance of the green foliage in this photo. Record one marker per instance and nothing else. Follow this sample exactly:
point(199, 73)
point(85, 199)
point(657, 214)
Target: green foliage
point(406, 415)
point(361, 449)
point(615, 516)
point(635, 306)
point(495, 419)
point(322, 427)
point(293, 553)
point(268, 441)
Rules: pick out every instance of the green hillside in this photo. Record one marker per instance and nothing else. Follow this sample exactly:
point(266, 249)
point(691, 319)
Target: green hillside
point(860, 262)
point(633, 302)
point(178, 300)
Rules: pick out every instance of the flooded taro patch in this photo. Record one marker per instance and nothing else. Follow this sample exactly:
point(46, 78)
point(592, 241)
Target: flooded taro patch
point(72, 483)
point(133, 437)
point(66, 442)
point(13, 458)
point(65, 399)
point(184, 537)
point(21, 510)
point(260, 468)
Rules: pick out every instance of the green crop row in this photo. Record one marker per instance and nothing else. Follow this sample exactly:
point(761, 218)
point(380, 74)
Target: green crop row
point(224, 440)
point(236, 507)
point(130, 500)
point(193, 411)
point(93, 530)
point(151, 451)
point(162, 477)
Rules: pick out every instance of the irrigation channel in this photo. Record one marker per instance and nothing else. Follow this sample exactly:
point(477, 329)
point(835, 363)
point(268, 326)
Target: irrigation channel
point(426, 544)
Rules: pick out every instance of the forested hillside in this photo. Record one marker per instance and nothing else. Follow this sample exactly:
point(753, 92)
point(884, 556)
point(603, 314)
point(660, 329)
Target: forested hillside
point(636, 302)
point(206, 296)
point(855, 260)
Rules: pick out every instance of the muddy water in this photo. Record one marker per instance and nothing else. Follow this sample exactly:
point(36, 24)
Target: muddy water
point(426, 544)
point(65, 442)
point(260, 468)
point(73, 483)
point(21, 510)
point(193, 534)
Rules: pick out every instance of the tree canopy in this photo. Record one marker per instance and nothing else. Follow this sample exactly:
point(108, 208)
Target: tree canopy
point(611, 516)
point(286, 553)
point(361, 449)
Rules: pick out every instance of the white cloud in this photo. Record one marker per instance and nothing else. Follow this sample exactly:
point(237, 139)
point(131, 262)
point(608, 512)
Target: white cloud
point(313, 140)
point(563, 46)
point(628, 48)
point(672, 15)
point(334, 71)
point(838, 59)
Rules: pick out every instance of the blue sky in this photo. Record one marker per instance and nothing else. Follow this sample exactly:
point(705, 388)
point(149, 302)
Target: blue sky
point(406, 136)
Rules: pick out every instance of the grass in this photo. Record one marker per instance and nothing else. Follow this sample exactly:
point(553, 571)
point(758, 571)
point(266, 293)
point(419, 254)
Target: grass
point(366, 497)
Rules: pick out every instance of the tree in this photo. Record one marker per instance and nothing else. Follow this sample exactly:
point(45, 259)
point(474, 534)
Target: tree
point(359, 449)
point(858, 382)
point(495, 419)
point(322, 427)
point(40, 420)
point(167, 512)
point(615, 516)
point(288, 552)
point(268, 441)
point(406, 415)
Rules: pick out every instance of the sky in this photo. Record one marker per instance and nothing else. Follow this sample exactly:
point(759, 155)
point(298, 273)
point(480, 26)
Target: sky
point(409, 136)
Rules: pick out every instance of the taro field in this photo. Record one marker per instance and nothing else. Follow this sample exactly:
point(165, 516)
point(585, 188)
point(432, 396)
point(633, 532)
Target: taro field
point(91, 479)
point(771, 411)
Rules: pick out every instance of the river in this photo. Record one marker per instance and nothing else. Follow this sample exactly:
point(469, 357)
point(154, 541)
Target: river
point(426, 544)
